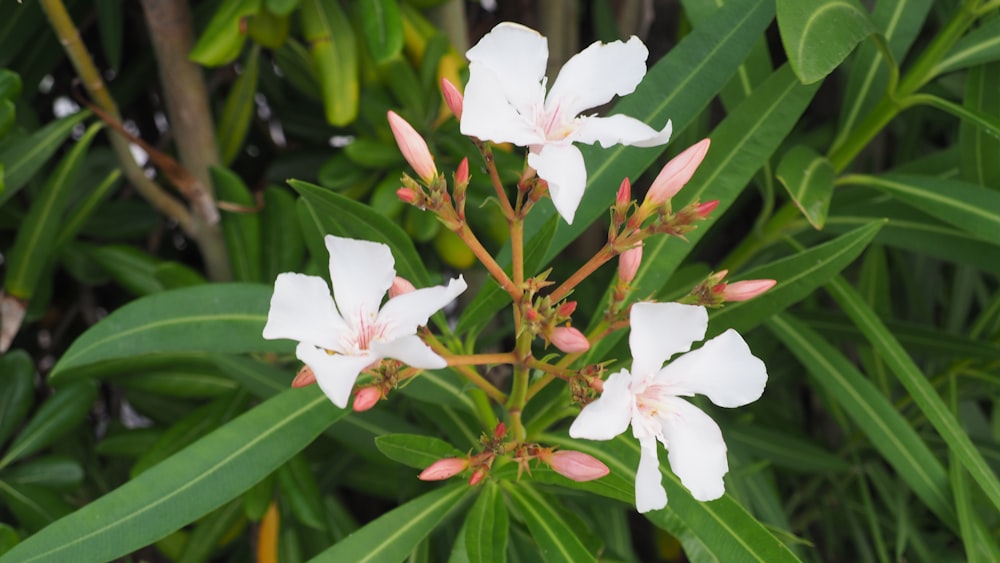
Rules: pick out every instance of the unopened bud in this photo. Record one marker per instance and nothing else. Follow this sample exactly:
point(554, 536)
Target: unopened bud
point(577, 466)
point(676, 173)
point(304, 378)
point(444, 469)
point(400, 286)
point(407, 195)
point(628, 263)
point(452, 97)
point(705, 209)
point(366, 398)
point(747, 289)
point(500, 431)
point(477, 476)
point(566, 309)
point(624, 193)
point(413, 147)
point(462, 173)
point(569, 340)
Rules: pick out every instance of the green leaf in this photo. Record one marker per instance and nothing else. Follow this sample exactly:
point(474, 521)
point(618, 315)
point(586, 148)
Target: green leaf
point(35, 507)
point(980, 46)
point(10, 85)
point(798, 276)
point(199, 479)
point(282, 247)
point(785, 450)
point(17, 390)
point(331, 213)
point(334, 52)
point(557, 541)
point(241, 230)
point(239, 110)
point(110, 24)
point(414, 450)
point(888, 431)
point(978, 149)
point(808, 178)
point(819, 35)
point(299, 488)
point(210, 532)
point(990, 124)
point(971, 208)
point(393, 535)
point(60, 414)
point(194, 382)
point(917, 384)
point(77, 217)
point(27, 155)
point(223, 318)
point(487, 526)
point(51, 472)
point(8, 114)
point(382, 27)
point(35, 238)
point(133, 269)
point(222, 40)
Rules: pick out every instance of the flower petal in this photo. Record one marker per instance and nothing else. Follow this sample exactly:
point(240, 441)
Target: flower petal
point(723, 370)
point(695, 448)
point(411, 351)
point(302, 309)
point(489, 115)
point(649, 491)
point(619, 129)
point(335, 373)
point(595, 75)
point(610, 414)
point(402, 314)
point(660, 330)
point(361, 272)
point(563, 168)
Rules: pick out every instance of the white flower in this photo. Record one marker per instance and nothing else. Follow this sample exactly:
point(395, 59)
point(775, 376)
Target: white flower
point(505, 102)
point(649, 397)
point(341, 335)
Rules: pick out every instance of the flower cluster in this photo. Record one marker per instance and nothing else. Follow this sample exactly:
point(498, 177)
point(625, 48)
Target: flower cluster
point(345, 329)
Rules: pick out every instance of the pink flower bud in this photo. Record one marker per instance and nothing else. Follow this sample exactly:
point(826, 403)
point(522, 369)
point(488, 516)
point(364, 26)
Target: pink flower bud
point(452, 97)
point(444, 469)
point(569, 340)
point(577, 466)
point(304, 378)
point(500, 431)
point(365, 398)
point(462, 173)
point(624, 193)
point(407, 195)
point(628, 263)
point(400, 286)
point(705, 209)
point(676, 173)
point(413, 147)
point(747, 289)
point(477, 476)
point(566, 309)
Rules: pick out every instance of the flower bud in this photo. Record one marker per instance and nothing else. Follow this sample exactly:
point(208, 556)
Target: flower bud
point(304, 378)
point(452, 97)
point(477, 476)
point(705, 209)
point(566, 309)
point(747, 289)
point(628, 263)
point(569, 340)
point(413, 147)
point(676, 173)
point(407, 195)
point(577, 466)
point(400, 286)
point(462, 173)
point(624, 193)
point(444, 469)
point(500, 431)
point(365, 398)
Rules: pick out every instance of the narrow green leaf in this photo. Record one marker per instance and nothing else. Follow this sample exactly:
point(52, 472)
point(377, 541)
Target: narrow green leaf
point(239, 110)
point(393, 535)
point(979, 546)
point(282, 247)
point(487, 526)
point(25, 157)
point(35, 507)
point(980, 46)
point(110, 24)
point(299, 488)
point(888, 431)
point(333, 214)
point(414, 450)
point(241, 230)
point(8, 114)
point(334, 52)
point(224, 318)
point(222, 40)
point(785, 450)
point(133, 269)
point(819, 35)
point(191, 383)
point(210, 532)
point(58, 415)
point(35, 238)
point(10, 85)
point(557, 541)
point(808, 178)
point(17, 390)
point(51, 472)
point(918, 386)
point(81, 212)
point(990, 124)
point(382, 27)
point(977, 149)
point(204, 476)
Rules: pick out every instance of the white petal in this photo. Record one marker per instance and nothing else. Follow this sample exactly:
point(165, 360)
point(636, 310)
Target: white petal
point(649, 491)
point(723, 370)
point(563, 168)
point(619, 129)
point(695, 449)
point(610, 414)
point(512, 59)
point(402, 314)
point(488, 114)
point(411, 351)
point(595, 75)
point(302, 309)
point(660, 330)
point(361, 272)
point(335, 373)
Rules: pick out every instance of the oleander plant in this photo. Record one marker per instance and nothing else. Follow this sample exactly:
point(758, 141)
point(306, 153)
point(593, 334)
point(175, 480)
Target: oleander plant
point(437, 280)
